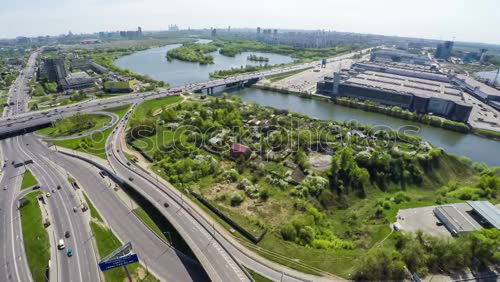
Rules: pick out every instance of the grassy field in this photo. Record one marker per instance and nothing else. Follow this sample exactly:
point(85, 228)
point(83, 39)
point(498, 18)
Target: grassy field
point(54, 131)
point(36, 239)
point(146, 219)
point(95, 143)
point(257, 277)
point(152, 105)
point(29, 180)
point(3, 100)
point(93, 212)
point(280, 76)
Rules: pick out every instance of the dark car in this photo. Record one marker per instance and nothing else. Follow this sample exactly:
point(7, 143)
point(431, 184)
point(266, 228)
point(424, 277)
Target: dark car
point(67, 234)
point(131, 178)
point(58, 187)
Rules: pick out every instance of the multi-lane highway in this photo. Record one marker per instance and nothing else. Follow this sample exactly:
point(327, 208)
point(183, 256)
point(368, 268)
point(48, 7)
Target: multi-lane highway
point(195, 227)
point(165, 262)
point(219, 264)
point(220, 256)
point(59, 196)
point(32, 119)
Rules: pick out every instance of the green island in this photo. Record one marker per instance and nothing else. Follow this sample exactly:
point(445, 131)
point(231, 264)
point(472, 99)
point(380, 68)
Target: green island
point(196, 52)
point(77, 124)
point(193, 52)
point(29, 180)
point(256, 58)
point(326, 191)
point(35, 237)
point(232, 47)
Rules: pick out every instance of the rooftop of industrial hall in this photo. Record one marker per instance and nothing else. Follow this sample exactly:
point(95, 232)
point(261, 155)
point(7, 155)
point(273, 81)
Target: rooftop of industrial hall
point(405, 84)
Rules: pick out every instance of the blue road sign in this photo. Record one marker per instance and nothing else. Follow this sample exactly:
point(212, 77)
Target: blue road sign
point(120, 261)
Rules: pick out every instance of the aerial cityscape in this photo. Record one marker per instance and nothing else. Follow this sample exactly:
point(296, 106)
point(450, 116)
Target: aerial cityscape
point(147, 141)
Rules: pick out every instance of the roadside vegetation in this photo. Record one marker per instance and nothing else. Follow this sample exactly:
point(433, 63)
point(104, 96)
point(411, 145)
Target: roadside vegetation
point(29, 180)
point(35, 237)
point(153, 107)
point(241, 70)
point(107, 242)
point(257, 277)
point(280, 76)
point(47, 101)
point(326, 191)
point(77, 124)
point(95, 143)
point(193, 52)
point(403, 114)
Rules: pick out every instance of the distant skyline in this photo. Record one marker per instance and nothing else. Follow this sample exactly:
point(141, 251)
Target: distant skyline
point(464, 20)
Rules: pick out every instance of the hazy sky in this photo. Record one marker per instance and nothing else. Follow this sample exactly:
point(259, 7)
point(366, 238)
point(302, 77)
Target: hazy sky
point(466, 20)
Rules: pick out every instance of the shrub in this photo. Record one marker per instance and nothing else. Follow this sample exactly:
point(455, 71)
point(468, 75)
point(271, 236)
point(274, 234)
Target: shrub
point(237, 198)
point(288, 232)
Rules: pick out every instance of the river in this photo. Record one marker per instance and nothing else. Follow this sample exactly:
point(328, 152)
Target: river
point(153, 62)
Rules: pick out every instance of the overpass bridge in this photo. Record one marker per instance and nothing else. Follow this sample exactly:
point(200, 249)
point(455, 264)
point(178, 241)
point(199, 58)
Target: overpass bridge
point(30, 121)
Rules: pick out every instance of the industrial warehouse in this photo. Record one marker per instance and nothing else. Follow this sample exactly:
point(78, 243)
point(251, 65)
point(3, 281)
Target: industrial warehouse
point(467, 217)
point(418, 88)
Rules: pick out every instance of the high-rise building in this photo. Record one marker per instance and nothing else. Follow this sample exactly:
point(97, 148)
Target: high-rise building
point(214, 32)
point(54, 69)
point(258, 30)
point(443, 50)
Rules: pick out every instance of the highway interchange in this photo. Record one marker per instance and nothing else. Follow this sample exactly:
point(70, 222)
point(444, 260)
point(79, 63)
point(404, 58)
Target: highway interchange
point(220, 256)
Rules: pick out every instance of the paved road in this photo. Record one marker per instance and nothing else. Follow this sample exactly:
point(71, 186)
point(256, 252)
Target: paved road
point(18, 93)
point(166, 263)
point(183, 211)
point(217, 262)
point(40, 117)
point(82, 266)
point(13, 263)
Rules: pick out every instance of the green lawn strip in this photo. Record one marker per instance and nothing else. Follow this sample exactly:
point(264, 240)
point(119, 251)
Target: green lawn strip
point(101, 121)
point(280, 76)
point(35, 237)
point(93, 212)
point(157, 221)
point(257, 277)
point(95, 143)
point(29, 180)
point(153, 105)
point(146, 219)
point(107, 242)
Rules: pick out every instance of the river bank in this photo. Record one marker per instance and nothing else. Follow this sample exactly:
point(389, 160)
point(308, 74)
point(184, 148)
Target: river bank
point(391, 111)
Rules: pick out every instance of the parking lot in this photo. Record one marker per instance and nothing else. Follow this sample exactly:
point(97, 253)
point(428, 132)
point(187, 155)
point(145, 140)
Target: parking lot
point(421, 219)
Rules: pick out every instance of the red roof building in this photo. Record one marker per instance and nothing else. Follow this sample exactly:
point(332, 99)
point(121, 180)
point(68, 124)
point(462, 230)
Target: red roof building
point(238, 150)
